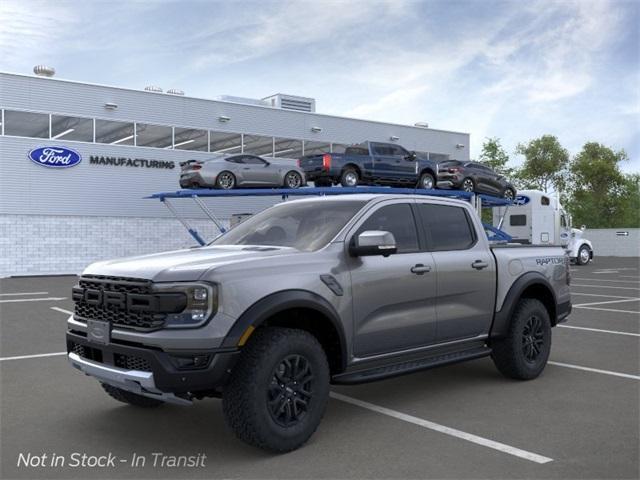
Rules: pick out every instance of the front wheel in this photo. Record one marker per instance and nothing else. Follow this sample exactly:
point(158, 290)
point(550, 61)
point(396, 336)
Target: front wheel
point(426, 181)
point(584, 255)
point(278, 391)
point(524, 352)
point(293, 180)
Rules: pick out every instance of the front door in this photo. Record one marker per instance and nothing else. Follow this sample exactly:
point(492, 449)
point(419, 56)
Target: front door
point(465, 271)
point(392, 164)
point(393, 297)
point(257, 171)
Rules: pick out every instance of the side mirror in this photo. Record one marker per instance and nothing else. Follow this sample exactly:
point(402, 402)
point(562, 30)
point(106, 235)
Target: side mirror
point(373, 242)
point(412, 156)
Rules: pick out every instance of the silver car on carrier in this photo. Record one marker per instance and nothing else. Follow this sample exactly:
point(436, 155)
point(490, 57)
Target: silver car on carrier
point(244, 170)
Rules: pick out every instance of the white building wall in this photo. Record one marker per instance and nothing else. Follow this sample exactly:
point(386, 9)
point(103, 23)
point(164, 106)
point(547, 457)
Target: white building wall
point(607, 242)
point(64, 244)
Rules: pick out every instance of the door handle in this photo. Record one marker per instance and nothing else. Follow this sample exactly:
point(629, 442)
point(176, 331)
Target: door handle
point(479, 265)
point(247, 168)
point(420, 269)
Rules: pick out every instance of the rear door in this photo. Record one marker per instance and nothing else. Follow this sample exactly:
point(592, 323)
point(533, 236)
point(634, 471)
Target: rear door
point(393, 297)
point(465, 271)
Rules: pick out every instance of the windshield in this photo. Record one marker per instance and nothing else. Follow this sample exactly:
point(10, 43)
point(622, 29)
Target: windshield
point(305, 226)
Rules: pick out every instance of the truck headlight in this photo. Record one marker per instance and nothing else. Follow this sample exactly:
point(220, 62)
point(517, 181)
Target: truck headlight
point(202, 303)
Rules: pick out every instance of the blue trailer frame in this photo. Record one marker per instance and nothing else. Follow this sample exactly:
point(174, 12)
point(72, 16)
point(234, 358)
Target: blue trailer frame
point(479, 201)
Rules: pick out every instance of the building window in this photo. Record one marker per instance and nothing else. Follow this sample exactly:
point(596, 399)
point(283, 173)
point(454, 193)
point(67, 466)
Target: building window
point(71, 128)
point(225, 143)
point(316, 148)
point(114, 133)
point(258, 145)
point(158, 136)
point(287, 148)
point(26, 124)
point(190, 139)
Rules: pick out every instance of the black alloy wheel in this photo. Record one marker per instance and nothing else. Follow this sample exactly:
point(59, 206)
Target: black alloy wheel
point(532, 339)
point(291, 391)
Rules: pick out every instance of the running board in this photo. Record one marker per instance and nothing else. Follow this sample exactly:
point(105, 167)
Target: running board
point(396, 369)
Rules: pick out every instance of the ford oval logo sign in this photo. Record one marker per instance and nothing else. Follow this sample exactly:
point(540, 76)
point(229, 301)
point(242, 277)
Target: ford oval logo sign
point(521, 200)
point(55, 157)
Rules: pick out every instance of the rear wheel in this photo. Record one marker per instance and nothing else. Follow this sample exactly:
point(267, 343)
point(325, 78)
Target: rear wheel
point(524, 352)
point(349, 178)
point(427, 181)
point(226, 180)
point(130, 397)
point(584, 255)
point(278, 391)
point(509, 194)
point(468, 185)
point(293, 180)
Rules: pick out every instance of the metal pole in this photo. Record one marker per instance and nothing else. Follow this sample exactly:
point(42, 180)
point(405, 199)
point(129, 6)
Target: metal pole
point(209, 213)
point(191, 231)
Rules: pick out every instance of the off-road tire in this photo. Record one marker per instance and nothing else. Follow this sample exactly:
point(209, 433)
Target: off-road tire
point(424, 178)
point(130, 398)
point(509, 354)
point(344, 177)
point(245, 400)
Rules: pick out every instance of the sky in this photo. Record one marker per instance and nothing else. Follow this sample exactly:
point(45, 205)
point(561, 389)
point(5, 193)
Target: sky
point(508, 69)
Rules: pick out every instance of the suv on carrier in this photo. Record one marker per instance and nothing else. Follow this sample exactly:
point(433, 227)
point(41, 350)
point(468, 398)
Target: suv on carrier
point(311, 292)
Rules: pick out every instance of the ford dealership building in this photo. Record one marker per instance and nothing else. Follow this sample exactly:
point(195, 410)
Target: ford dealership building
point(77, 159)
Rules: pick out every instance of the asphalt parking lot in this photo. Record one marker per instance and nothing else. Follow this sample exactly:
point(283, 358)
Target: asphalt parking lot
point(580, 419)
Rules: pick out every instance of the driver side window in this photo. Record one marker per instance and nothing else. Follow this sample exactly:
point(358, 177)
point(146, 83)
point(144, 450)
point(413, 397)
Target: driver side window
point(397, 219)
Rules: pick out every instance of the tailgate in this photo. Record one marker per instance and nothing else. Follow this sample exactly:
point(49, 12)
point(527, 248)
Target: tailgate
point(310, 163)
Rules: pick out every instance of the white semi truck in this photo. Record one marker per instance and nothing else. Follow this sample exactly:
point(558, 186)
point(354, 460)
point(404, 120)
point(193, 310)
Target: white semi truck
point(537, 218)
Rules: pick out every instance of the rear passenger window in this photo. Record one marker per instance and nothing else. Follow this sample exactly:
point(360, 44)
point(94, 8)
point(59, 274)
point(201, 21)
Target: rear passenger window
point(517, 220)
point(447, 227)
point(397, 219)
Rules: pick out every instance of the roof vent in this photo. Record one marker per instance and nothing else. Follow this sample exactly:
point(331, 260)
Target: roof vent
point(291, 102)
point(44, 71)
point(421, 124)
point(153, 88)
point(175, 91)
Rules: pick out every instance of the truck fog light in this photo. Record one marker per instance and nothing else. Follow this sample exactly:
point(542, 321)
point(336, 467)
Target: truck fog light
point(198, 315)
point(200, 294)
point(191, 362)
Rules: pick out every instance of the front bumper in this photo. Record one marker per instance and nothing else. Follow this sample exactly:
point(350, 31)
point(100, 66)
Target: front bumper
point(150, 372)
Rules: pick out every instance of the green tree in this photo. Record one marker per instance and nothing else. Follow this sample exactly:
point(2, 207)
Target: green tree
point(545, 164)
point(600, 195)
point(493, 155)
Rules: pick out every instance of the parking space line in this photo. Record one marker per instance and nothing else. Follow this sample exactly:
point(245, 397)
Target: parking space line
point(62, 310)
point(39, 355)
point(598, 295)
point(599, 330)
point(22, 293)
point(604, 280)
point(609, 310)
point(607, 302)
point(47, 299)
point(607, 286)
point(595, 370)
point(628, 276)
point(485, 442)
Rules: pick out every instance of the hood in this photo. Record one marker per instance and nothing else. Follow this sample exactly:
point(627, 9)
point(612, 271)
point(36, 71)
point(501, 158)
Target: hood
point(181, 265)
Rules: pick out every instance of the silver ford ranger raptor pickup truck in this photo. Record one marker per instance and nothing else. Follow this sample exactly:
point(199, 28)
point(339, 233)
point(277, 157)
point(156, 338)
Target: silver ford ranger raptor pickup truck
point(313, 292)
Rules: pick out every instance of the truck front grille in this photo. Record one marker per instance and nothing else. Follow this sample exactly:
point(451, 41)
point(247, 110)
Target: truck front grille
point(115, 311)
point(131, 362)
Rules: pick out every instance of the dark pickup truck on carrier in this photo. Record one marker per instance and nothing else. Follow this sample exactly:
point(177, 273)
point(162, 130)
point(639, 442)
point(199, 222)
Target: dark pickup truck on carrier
point(370, 163)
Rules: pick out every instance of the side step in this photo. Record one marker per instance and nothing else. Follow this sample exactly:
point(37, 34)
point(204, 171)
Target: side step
point(396, 369)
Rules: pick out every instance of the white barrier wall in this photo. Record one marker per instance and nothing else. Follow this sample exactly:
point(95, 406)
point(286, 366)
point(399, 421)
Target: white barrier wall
point(614, 242)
